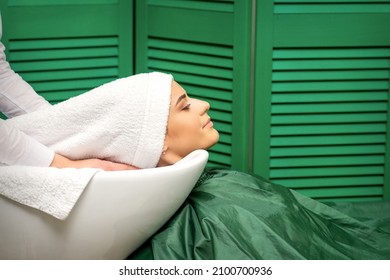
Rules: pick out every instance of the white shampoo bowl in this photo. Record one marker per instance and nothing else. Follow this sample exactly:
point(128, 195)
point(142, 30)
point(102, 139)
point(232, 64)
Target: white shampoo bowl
point(116, 213)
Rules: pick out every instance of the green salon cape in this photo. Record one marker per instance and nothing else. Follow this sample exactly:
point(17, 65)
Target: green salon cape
point(234, 215)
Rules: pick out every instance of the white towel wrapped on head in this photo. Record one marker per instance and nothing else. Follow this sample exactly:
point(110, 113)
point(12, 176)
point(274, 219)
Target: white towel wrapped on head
point(123, 121)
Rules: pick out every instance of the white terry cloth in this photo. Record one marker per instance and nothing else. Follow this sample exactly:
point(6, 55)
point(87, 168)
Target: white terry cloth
point(123, 121)
point(51, 190)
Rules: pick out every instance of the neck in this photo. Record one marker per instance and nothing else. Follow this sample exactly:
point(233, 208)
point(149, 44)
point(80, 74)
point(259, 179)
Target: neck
point(168, 158)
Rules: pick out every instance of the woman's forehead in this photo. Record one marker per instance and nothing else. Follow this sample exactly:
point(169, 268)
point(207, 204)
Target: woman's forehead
point(177, 88)
point(177, 93)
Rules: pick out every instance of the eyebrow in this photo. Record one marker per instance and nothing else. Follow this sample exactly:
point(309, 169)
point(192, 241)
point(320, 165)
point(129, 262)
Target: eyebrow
point(180, 98)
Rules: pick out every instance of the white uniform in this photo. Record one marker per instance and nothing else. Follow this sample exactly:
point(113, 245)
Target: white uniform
point(16, 98)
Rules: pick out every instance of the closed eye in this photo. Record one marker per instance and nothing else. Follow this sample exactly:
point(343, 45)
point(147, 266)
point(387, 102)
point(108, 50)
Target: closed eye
point(187, 107)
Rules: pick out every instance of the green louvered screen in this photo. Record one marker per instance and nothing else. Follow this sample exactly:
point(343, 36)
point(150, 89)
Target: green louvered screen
point(62, 68)
point(62, 56)
point(329, 120)
point(194, 41)
point(325, 77)
point(189, 69)
point(331, 6)
point(316, 70)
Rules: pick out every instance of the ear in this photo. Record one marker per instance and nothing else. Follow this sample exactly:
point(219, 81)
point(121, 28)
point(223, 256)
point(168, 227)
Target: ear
point(164, 159)
point(166, 144)
point(165, 149)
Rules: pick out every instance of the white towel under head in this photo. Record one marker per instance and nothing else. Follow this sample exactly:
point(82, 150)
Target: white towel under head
point(123, 121)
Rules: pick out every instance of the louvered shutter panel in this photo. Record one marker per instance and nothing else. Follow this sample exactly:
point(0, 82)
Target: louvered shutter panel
point(64, 48)
point(328, 96)
point(197, 43)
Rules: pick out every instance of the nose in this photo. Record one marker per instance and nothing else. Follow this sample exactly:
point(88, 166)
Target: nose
point(206, 106)
point(203, 106)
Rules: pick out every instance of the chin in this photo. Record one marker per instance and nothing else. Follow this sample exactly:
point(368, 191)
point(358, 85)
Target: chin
point(213, 139)
point(216, 136)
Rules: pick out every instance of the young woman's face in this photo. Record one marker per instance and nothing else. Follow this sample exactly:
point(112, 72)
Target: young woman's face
point(189, 126)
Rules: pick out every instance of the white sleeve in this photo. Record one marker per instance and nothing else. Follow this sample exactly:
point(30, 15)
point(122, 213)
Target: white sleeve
point(16, 96)
point(17, 148)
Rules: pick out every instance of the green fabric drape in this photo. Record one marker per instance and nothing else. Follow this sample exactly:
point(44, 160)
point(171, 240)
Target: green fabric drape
point(234, 215)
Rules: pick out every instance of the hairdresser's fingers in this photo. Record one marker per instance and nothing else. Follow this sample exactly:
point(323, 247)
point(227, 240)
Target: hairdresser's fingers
point(60, 161)
point(111, 166)
point(102, 164)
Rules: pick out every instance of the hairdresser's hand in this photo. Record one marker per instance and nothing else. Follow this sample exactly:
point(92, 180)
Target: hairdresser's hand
point(60, 161)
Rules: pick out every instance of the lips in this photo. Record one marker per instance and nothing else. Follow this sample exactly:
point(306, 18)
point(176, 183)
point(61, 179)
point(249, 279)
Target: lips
point(208, 123)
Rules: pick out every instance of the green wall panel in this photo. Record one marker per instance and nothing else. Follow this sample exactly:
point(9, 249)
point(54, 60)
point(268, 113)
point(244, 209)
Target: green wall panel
point(299, 89)
point(206, 45)
point(194, 20)
point(62, 56)
point(326, 91)
point(58, 2)
point(347, 29)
